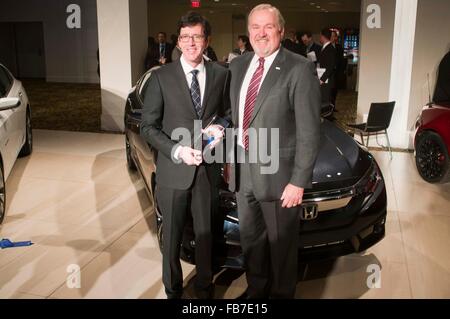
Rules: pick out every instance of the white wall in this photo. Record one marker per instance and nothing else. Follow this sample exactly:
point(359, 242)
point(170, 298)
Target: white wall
point(164, 15)
point(70, 54)
point(375, 56)
point(432, 42)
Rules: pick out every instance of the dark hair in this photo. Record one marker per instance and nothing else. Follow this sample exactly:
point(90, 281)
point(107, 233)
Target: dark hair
point(246, 40)
point(191, 19)
point(326, 33)
point(307, 33)
point(243, 38)
point(163, 33)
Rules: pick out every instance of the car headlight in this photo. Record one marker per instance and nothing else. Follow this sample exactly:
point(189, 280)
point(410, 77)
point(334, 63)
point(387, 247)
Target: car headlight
point(371, 186)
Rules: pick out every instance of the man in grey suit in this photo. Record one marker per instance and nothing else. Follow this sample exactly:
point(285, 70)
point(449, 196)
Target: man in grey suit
point(273, 89)
point(179, 93)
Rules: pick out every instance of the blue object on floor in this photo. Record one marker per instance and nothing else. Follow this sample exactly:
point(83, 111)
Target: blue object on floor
point(6, 243)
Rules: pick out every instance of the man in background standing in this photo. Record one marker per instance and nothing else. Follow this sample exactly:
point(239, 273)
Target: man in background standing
point(327, 61)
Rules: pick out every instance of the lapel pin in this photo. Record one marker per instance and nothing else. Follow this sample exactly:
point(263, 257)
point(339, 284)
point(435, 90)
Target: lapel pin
point(278, 68)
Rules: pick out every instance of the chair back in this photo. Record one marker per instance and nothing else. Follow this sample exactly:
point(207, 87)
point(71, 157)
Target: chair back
point(380, 115)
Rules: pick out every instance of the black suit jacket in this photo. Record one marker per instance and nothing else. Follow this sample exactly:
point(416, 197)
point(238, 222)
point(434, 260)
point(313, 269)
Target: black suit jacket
point(327, 60)
point(294, 47)
point(167, 51)
point(316, 49)
point(168, 106)
point(288, 100)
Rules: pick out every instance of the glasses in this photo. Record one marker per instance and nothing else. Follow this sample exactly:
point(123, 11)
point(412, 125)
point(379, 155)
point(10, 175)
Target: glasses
point(196, 37)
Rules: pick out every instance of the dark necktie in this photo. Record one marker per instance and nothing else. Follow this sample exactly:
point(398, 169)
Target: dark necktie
point(250, 99)
point(195, 93)
point(161, 50)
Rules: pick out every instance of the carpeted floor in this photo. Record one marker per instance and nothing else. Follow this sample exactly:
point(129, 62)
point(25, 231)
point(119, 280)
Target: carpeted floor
point(64, 106)
point(77, 107)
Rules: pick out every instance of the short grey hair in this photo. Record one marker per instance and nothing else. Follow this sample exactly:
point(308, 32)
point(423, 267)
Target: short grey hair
point(266, 6)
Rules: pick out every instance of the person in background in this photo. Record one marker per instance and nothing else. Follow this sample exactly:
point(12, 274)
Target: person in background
point(291, 43)
point(327, 61)
point(340, 80)
point(209, 51)
point(310, 45)
point(164, 49)
point(243, 44)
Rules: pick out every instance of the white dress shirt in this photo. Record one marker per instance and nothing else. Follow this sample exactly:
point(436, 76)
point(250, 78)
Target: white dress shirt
point(254, 63)
point(201, 77)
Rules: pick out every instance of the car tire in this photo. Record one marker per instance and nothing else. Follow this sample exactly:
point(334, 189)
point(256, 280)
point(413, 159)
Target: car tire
point(2, 194)
point(432, 159)
point(130, 161)
point(27, 147)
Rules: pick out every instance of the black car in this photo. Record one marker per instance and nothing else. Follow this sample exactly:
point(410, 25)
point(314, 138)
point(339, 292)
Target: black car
point(344, 212)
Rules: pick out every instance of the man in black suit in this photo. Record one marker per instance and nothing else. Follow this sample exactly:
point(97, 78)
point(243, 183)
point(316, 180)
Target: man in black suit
point(310, 45)
point(178, 94)
point(327, 61)
point(340, 80)
point(291, 44)
point(276, 90)
point(164, 49)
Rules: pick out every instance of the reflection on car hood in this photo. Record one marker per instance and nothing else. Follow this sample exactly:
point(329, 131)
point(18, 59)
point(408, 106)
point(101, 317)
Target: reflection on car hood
point(340, 162)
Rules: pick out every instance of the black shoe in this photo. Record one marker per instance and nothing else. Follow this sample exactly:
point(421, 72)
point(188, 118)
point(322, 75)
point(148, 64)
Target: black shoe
point(206, 293)
point(174, 296)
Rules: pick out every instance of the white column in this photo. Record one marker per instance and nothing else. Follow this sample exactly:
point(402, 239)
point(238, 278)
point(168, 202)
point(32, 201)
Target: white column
point(386, 64)
point(122, 33)
point(401, 70)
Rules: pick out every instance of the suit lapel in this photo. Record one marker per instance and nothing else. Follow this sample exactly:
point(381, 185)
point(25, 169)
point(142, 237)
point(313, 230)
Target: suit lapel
point(210, 78)
point(184, 88)
point(269, 81)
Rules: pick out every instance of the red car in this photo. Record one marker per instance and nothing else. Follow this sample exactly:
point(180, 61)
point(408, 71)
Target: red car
point(432, 143)
point(432, 140)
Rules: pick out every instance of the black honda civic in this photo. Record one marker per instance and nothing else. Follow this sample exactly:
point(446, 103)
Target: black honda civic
point(343, 213)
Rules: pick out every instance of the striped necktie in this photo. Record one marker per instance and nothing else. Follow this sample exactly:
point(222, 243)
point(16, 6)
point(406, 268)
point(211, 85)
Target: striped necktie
point(250, 99)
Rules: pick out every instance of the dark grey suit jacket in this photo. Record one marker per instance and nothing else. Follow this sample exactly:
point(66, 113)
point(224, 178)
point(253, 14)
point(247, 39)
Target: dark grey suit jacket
point(168, 105)
point(327, 60)
point(289, 99)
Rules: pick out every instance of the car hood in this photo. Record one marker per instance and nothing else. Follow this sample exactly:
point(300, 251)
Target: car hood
point(341, 162)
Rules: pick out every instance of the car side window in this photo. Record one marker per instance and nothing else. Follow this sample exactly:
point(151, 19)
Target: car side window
point(143, 87)
point(5, 82)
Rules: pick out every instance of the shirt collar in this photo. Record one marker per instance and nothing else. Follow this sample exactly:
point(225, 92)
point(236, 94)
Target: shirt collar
point(267, 60)
point(187, 68)
point(326, 44)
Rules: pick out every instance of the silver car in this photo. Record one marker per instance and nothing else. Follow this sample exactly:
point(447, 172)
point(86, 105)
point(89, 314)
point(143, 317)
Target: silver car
point(15, 128)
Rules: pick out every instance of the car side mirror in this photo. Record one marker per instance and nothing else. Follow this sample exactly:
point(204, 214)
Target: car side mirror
point(8, 103)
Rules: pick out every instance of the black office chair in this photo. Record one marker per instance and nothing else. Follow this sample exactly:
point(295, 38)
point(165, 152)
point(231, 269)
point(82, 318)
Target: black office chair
point(378, 121)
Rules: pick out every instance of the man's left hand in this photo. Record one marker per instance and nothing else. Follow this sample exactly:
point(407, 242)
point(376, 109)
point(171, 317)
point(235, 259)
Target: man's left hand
point(216, 131)
point(292, 196)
